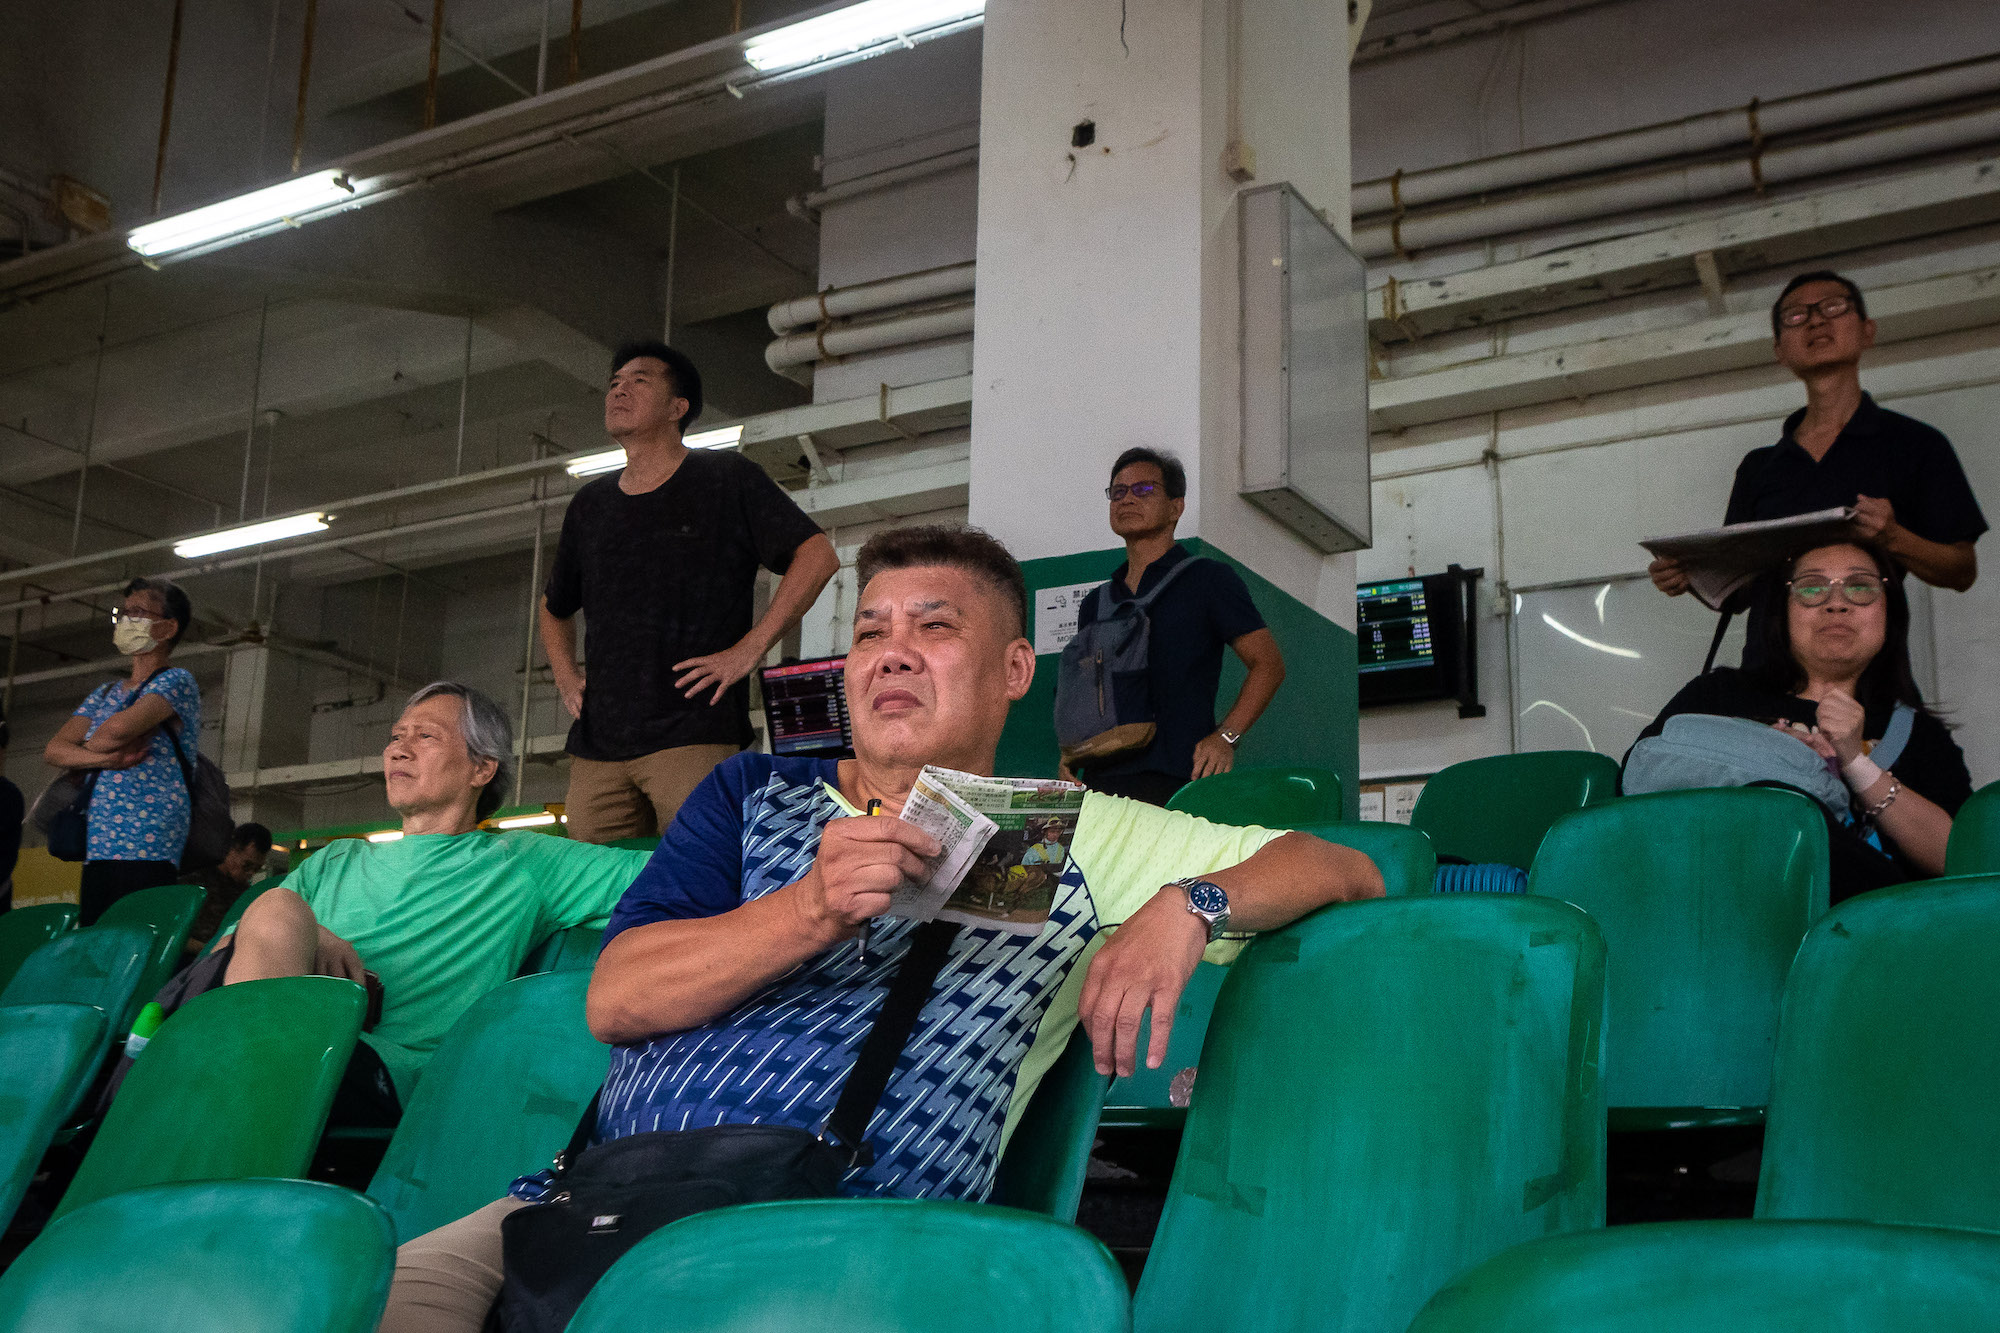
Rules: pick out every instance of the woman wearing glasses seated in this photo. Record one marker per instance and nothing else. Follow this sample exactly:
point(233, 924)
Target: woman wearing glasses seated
point(1830, 665)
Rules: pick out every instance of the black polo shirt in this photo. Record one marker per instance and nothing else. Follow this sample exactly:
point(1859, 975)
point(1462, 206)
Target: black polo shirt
point(1879, 453)
point(1205, 610)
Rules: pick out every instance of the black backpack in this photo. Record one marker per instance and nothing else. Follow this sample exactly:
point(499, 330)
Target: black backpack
point(1104, 704)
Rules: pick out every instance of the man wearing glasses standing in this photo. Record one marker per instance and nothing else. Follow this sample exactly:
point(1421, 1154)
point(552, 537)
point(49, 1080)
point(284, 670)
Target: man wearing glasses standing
point(1205, 608)
point(1901, 476)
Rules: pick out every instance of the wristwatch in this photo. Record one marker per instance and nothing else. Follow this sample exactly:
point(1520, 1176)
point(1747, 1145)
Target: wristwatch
point(1207, 900)
point(1231, 736)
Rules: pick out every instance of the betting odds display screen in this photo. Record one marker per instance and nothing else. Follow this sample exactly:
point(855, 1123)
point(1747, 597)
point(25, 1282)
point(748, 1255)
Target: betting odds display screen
point(1409, 633)
point(805, 706)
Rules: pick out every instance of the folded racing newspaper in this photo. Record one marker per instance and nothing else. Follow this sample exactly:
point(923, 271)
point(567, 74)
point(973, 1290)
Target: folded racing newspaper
point(1006, 843)
point(1720, 561)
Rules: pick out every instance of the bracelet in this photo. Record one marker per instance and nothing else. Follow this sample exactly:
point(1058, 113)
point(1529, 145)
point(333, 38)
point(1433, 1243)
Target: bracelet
point(1861, 773)
point(1895, 789)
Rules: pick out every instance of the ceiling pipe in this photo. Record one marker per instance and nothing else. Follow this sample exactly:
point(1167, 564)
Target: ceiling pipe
point(865, 297)
point(805, 348)
point(1714, 131)
point(807, 206)
point(1684, 184)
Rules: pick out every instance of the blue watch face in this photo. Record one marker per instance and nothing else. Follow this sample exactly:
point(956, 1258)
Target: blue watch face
point(1206, 897)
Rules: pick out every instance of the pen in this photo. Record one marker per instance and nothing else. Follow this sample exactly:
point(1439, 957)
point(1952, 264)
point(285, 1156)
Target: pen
point(868, 926)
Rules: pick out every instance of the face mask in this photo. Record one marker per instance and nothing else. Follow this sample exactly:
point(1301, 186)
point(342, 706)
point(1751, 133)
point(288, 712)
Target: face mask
point(133, 636)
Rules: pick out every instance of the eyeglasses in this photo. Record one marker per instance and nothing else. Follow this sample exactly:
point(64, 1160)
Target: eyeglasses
point(120, 616)
point(1833, 307)
point(1139, 488)
point(1861, 590)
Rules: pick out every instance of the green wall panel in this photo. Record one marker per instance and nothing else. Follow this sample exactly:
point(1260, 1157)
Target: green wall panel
point(1314, 720)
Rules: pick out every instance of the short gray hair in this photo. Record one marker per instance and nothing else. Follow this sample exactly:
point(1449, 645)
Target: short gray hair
point(488, 734)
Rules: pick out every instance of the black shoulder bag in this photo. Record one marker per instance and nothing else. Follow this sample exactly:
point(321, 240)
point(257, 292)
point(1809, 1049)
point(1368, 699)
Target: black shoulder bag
point(606, 1200)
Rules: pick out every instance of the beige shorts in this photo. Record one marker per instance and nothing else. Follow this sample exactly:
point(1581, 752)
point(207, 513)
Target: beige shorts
point(635, 798)
point(446, 1280)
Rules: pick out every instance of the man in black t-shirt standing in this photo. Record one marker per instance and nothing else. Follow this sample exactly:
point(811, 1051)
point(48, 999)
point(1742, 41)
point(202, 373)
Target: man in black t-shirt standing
point(1902, 477)
point(662, 557)
point(1206, 608)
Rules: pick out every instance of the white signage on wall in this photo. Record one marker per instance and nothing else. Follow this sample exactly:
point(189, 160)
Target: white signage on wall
point(1055, 615)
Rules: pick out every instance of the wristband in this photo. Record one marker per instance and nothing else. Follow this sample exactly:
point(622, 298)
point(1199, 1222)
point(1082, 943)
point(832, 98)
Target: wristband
point(1861, 773)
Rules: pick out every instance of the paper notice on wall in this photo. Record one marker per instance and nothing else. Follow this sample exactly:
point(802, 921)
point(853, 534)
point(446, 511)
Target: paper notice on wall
point(1371, 804)
point(1400, 800)
point(1055, 615)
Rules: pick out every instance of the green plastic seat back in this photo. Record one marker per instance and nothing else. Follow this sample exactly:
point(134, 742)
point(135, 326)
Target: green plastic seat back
point(1143, 1097)
point(1392, 1091)
point(1703, 897)
point(1043, 1169)
point(1499, 808)
point(862, 1266)
point(1271, 797)
point(48, 1053)
point(236, 1083)
point(1888, 1069)
point(1741, 1276)
point(235, 1256)
point(26, 929)
point(1403, 854)
point(1974, 846)
point(499, 1099)
point(1408, 866)
point(236, 911)
point(99, 967)
point(170, 910)
point(635, 844)
point(574, 949)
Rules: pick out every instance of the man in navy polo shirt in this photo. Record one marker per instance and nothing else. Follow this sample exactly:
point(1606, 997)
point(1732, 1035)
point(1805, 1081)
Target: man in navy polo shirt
point(1204, 609)
point(1910, 495)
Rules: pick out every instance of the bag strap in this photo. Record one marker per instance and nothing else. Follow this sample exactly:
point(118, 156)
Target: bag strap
point(1890, 748)
point(847, 1127)
point(1715, 644)
point(1146, 600)
point(172, 726)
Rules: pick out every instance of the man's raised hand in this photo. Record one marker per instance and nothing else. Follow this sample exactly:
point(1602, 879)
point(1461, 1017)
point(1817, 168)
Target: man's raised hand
point(861, 862)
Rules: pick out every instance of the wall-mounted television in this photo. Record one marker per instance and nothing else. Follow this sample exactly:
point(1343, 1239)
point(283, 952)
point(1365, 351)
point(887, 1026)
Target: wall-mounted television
point(1418, 640)
point(805, 707)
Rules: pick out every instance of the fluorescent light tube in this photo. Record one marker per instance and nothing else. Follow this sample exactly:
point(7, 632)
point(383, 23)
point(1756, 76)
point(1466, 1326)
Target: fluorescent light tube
point(386, 835)
point(855, 28)
point(722, 437)
point(246, 212)
point(254, 534)
point(526, 821)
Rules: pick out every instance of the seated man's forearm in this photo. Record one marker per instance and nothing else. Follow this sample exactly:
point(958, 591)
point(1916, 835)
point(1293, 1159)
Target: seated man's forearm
point(1292, 876)
point(668, 976)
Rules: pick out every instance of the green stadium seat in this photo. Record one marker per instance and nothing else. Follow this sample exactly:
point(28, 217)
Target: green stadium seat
point(1391, 1092)
point(1742, 1277)
point(48, 1053)
point(1974, 846)
point(239, 1256)
point(1043, 1168)
point(1408, 866)
point(99, 967)
point(635, 844)
point(574, 949)
point(26, 929)
point(1497, 809)
point(236, 1083)
point(236, 911)
point(1703, 897)
point(1271, 797)
point(499, 1099)
point(1888, 1069)
point(170, 911)
point(866, 1265)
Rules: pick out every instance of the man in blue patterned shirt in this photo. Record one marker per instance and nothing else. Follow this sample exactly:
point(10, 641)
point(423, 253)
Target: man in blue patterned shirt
point(734, 986)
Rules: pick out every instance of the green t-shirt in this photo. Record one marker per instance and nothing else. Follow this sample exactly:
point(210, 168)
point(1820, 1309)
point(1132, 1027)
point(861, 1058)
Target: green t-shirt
point(443, 919)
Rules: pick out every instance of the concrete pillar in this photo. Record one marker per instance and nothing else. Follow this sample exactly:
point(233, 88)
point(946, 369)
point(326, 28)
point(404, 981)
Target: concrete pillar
point(1107, 305)
point(264, 724)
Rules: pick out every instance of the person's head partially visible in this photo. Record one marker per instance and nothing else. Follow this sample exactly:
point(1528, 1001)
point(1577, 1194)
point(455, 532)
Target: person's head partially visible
point(445, 765)
point(939, 650)
point(249, 849)
point(1820, 323)
point(151, 619)
point(1837, 614)
point(654, 391)
point(1148, 493)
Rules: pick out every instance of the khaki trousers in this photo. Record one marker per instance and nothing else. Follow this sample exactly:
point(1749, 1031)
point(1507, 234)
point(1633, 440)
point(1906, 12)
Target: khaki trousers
point(446, 1280)
point(635, 798)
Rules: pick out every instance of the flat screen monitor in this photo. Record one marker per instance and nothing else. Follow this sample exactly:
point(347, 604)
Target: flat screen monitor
point(1415, 642)
point(805, 707)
